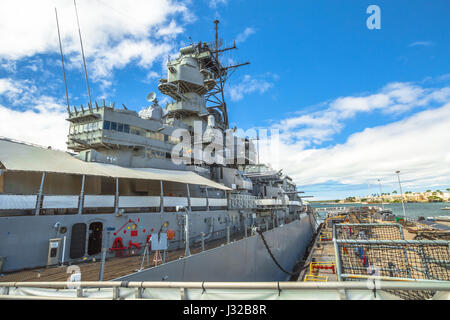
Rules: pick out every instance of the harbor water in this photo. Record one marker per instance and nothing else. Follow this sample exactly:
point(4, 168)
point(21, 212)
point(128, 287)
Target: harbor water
point(413, 210)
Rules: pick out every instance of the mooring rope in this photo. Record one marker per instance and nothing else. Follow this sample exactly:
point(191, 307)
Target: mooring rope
point(275, 260)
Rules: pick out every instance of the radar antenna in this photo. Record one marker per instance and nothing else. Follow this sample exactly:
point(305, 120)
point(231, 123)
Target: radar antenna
point(62, 62)
point(84, 60)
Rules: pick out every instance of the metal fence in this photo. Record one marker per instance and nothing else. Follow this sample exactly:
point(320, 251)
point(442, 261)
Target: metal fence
point(369, 231)
point(394, 260)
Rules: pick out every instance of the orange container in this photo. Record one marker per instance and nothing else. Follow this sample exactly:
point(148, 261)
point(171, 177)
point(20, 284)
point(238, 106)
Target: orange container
point(170, 234)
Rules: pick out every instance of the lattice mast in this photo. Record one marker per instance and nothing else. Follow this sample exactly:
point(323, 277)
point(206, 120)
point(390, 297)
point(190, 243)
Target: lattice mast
point(216, 97)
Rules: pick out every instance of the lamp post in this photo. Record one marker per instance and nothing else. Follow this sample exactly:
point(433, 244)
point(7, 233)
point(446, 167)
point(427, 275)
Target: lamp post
point(401, 192)
point(381, 195)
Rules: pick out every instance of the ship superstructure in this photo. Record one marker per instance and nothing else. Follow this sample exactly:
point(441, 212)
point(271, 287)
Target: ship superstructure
point(122, 183)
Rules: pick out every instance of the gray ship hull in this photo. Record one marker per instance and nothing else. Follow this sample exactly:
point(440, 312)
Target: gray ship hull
point(25, 239)
point(243, 260)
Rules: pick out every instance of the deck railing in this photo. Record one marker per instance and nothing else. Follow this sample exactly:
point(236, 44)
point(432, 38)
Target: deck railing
point(215, 290)
point(29, 202)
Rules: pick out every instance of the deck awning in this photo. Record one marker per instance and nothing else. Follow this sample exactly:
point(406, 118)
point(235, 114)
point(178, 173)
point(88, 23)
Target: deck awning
point(22, 157)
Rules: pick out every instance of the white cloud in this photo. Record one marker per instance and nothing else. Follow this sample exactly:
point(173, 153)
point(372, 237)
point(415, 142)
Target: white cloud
point(8, 65)
point(172, 29)
point(42, 126)
point(214, 3)
point(7, 87)
point(241, 37)
point(421, 43)
point(115, 32)
point(417, 145)
point(248, 85)
point(41, 122)
point(124, 53)
point(18, 93)
point(394, 98)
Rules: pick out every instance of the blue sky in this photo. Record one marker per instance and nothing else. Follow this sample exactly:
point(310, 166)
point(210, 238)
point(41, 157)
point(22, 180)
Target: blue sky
point(352, 104)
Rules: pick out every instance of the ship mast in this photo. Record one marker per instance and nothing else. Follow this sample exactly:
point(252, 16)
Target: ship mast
point(216, 97)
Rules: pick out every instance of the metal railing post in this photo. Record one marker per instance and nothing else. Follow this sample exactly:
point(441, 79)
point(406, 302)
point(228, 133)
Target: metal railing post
point(116, 209)
point(102, 265)
point(116, 293)
point(41, 191)
point(138, 294)
point(187, 251)
point(203, 241)
point(245, 229)
point(81, 201)
point(207, 199)
point(162, 196)
point(337, 254)
point(63, 250)
point(188, 198)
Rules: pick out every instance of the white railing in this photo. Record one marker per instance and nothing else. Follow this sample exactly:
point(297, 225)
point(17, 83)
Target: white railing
point(217, 290)
point(217, 202)
point(28, 202)
point(17, 202)
point(242, 201)
point(98, 201)
point(198, 202)
point(175, 201)
point(136, 202)
point(269, 202)
point(56, 202)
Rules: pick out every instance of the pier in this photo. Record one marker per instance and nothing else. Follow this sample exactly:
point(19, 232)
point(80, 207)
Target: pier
point(363, 245)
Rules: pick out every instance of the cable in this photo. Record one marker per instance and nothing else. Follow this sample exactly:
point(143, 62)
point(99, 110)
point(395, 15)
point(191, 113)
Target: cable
point(275, 260)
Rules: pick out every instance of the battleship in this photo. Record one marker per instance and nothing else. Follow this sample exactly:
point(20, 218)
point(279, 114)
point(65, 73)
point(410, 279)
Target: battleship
point(136, 182)
point(150, 205)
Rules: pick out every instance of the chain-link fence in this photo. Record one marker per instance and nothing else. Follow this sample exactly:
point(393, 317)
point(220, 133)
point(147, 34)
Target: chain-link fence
point(370, 231)
point(395, 259)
